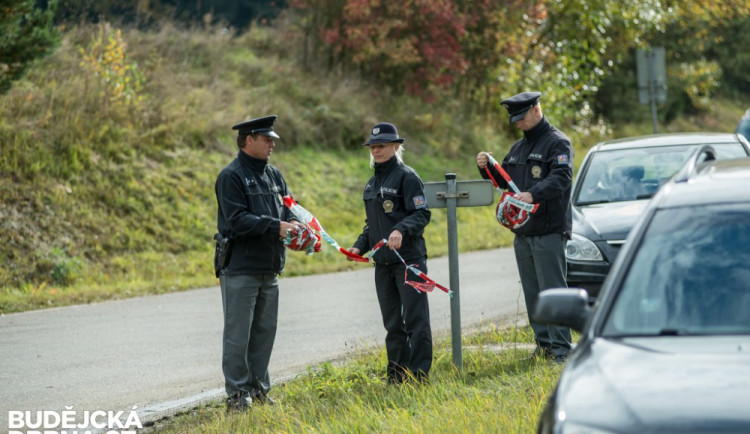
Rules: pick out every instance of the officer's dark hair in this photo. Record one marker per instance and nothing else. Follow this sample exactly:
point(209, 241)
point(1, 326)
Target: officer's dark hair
point(241, 139)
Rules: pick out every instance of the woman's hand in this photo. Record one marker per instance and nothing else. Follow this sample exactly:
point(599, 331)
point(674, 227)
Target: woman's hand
point(394, 239)
point(352, 250)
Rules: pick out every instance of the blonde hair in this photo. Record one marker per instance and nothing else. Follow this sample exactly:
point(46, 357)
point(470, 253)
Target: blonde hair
point(399, 155)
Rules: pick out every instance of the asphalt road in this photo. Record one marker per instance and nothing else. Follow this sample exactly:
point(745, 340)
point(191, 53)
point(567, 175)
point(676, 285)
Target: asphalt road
point(163, 353)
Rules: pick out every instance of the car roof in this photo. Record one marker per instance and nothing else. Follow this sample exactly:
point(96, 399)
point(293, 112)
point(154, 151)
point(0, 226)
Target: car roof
point(667, 139)
point(719, 181)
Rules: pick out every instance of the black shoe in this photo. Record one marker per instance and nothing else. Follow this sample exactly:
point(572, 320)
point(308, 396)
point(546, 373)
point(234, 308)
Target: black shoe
point(541, 354)
point(560, 359)
point(264, 400)
point(420, 377)
point(394, 380)
point(536, 353)
point(396, 375)
point(239, 403)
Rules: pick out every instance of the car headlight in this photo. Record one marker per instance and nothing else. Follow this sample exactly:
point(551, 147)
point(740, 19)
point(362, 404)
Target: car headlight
point(563, 426)
point(574, 428)
point(580, 248)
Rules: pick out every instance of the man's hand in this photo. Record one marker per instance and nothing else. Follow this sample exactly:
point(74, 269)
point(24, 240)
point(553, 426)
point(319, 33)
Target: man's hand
point(394, 240)
point(352, 250)
point(482, 160)
point(525, 196)
point(293, 228)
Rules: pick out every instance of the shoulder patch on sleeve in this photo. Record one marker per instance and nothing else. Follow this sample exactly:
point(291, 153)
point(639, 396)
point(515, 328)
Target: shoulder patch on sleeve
point(563, 159)
point(419, 202)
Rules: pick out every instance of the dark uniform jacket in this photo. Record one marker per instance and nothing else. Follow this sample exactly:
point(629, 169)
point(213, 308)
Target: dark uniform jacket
point(542, 164)
point(249, 194)
point(394, 199)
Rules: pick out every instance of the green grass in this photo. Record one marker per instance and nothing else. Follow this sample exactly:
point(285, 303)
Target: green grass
point(498, 390)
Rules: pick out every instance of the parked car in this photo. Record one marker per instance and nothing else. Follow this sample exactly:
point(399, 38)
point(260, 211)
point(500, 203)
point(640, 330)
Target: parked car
point(612, 187)
point(666, 347)
point(743, 127)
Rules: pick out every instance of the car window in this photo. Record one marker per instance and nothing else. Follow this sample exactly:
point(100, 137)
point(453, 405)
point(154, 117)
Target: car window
point(730, 150)
point(630, 174)
point(744, 127)
point(690, 275)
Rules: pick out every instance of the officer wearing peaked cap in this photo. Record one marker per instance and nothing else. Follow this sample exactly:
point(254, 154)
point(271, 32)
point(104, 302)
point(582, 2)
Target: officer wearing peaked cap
point(518, 105)
point(396, 210)
point(252, 217)
point(263, 126)
point(541, 165)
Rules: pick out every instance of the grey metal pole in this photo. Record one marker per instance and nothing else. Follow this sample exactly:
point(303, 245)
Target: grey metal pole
point(450, 181)
point(651, 56)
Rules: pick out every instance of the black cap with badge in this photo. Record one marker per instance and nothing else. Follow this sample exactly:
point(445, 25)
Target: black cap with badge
point(384, 132)
point(262, 126)
point(518, 105)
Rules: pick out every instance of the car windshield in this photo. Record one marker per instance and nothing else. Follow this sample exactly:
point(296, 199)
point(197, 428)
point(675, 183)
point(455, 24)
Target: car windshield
point(631, 174)
point(744, 126)
point(690, 275)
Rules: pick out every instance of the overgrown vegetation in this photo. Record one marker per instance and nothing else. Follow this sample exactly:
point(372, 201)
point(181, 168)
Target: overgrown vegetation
point(499, 389)
point(110, 148)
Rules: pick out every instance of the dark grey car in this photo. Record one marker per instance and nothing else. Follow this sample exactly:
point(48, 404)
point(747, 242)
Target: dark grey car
point(666, 347)
point(612, 187)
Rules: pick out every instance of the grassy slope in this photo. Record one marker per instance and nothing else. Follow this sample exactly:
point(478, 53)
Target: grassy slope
point(101, 200)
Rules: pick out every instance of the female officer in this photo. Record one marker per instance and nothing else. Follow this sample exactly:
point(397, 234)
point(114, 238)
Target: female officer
point(396, 210)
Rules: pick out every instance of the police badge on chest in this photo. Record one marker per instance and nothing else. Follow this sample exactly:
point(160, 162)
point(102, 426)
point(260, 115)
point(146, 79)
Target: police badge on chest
point(388, 206)
point(536, 172)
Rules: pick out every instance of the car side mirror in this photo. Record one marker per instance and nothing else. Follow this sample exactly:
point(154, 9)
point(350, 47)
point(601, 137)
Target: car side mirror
point(563, 306)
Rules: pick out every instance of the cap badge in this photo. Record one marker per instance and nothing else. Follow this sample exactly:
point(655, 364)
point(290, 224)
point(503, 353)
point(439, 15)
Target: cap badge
point(376, 131)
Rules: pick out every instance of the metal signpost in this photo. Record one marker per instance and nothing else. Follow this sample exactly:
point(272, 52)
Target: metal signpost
point(451, 194)
point(652, 78)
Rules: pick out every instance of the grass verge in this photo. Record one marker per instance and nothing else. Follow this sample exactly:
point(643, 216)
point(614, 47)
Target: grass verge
point(498, 390)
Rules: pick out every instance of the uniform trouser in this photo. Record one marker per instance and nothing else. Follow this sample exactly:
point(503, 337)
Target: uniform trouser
point(406, 317)
point(251, 305)
point(541, 265)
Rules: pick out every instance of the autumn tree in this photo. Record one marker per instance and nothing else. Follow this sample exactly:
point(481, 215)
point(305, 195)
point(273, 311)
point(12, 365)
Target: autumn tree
point(485, 49)
point(481, 51)
point(414, 46)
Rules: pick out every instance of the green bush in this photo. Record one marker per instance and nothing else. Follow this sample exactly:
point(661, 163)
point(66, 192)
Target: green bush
point(65, 269)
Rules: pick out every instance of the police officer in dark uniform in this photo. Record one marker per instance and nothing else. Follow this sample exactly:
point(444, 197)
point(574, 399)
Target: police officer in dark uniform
point(251, 219)
point(541, 165)
point(396, 210)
